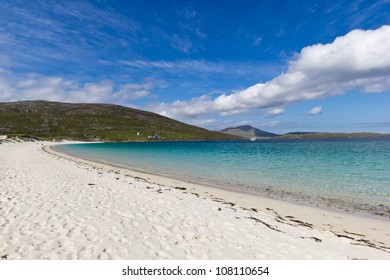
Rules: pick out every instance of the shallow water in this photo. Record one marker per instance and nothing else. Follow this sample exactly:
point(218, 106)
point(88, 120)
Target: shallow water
point(348, 171)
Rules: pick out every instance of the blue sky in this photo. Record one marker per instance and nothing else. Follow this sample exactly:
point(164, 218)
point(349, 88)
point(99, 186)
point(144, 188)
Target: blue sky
point(278, 65)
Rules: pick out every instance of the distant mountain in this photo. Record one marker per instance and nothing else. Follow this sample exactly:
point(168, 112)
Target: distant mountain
point(246, 131)
point(318, 135)
point(48, 120)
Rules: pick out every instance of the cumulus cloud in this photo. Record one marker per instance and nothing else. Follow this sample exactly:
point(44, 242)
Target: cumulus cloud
point(195, 107)
point(38, 87)
point(315, 111)
point(358, 60)
point(274, 112)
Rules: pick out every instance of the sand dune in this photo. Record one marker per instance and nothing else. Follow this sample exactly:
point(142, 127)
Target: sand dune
point(54, 207)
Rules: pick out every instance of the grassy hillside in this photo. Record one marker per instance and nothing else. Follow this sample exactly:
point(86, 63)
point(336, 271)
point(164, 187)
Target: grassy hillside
point(48, 120)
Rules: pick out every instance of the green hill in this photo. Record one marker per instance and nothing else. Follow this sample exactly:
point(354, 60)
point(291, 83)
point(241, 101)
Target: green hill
point(55, 120)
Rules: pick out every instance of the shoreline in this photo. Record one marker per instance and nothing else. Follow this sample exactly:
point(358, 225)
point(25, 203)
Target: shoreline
point(330, 204)
point(321, 218)
point(55, 206)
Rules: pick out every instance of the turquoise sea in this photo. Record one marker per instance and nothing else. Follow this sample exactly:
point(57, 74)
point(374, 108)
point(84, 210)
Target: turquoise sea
point(341, 172)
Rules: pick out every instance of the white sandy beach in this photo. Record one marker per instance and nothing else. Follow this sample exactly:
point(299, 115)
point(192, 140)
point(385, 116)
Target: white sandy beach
point(58, 207)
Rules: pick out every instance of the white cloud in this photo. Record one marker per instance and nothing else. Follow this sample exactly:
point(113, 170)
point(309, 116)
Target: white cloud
point(274, 112)
point(179, 108)
point(358, 60)
point(315, 111)
point(189, 66)
point(134, 91)
point(38, 87)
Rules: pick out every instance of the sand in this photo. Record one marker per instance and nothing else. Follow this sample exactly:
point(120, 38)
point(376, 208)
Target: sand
point(59, 207)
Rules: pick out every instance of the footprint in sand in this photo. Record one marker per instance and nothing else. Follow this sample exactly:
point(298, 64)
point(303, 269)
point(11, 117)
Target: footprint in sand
point(92, 237)
point(25, 231)
point(116, 253)
point(163, 255)
point(24, 251)
point(73, 232)
point(161, 230)
point(88, 252)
